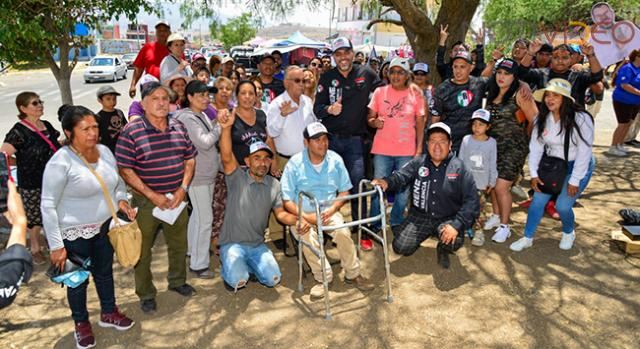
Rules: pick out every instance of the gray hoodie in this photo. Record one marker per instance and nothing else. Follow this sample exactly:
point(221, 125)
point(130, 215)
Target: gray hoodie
point(204, 135)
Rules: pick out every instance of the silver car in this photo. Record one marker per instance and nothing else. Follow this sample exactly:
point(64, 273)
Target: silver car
point(105, 69)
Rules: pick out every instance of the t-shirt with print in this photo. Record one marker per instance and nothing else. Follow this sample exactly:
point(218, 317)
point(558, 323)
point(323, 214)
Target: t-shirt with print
point(399, 110)
point(110, 124)
point(272, 90)
point(243, 135)
point(455, 103)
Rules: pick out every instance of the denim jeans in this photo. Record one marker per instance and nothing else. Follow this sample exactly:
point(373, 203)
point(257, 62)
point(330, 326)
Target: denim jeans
point(99, 249)
point(351, 151)
point(240, 260)
point(384, 166)
point(564, 204)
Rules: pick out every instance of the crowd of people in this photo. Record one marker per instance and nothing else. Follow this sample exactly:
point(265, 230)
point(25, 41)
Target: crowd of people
point(241, 148)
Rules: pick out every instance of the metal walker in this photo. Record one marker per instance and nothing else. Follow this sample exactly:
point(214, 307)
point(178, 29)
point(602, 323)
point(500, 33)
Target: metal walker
point(382, 239)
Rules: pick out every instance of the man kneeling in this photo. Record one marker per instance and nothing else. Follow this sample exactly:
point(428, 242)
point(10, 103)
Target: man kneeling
point(251, 195)
point(445, 202)
point(322, 173)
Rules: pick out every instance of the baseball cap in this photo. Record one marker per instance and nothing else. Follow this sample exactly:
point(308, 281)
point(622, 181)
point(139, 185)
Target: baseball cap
point(258, 146)
point(508, 65)
point(227, 59)
point(481, 114)
point(197, 56)
point(107, 90)
point(197, 86)
point(267, 56)
point(175, 37)
point(341, 42)
point(162, 22)
point(423, 67)
point(400, 62)
point(440, 126)
point(463, 55)
point(150, 87)
point(314, 130)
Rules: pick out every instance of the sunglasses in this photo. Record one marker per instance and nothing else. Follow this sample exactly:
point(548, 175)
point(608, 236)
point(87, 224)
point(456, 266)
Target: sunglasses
point(297, 81)
point(420, 73)
point(314, 64)
point(37, 102)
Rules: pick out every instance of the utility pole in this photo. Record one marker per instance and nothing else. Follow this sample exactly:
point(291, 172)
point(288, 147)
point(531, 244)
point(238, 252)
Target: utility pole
point(333, 9)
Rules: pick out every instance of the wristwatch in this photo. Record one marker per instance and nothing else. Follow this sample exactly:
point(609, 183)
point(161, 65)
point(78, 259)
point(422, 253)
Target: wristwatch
point(185, 188)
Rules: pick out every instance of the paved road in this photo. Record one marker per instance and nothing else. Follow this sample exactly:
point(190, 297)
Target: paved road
point(43, 83)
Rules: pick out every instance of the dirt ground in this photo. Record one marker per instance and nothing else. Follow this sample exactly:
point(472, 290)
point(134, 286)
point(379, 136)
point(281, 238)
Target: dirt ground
point(491, 297)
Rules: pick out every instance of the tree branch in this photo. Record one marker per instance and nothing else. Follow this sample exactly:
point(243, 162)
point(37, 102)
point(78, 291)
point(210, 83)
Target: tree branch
point(382, 20)
point(413, 17)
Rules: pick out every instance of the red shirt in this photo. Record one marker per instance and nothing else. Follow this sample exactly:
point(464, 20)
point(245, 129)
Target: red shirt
point(150, 57)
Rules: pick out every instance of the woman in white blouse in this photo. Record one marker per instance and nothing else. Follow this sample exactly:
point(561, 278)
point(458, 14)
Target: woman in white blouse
point(76, 217)
point(174, 63)
point(559, 113)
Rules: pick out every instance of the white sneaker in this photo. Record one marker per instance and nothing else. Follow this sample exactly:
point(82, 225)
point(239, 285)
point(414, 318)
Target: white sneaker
point(622, 148)
point(567, 240)
point(502, 234)
point(521, 244)
point(614, 151)
point(478, 238)
point(492, 223)
point(317, 291)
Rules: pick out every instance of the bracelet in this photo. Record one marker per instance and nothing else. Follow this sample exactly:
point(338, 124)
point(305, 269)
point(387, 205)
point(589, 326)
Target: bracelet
point(185, 188)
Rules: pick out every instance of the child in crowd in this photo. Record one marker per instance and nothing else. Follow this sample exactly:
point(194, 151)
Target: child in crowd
point(479, 152)
point(111, 120)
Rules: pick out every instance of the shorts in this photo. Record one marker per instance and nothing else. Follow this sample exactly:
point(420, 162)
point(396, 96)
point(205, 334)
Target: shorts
point(511, 158)
point(625, 112)
point(31, 201)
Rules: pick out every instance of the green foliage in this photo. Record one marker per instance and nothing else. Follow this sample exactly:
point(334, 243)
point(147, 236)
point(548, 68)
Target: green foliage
point(511, 19)
point(31, 30)
point(236, 31)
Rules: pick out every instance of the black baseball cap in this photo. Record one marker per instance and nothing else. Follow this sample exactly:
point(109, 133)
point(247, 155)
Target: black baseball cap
point(197, 86)
point(267, 56)
point(508, 65)
point(463, 55)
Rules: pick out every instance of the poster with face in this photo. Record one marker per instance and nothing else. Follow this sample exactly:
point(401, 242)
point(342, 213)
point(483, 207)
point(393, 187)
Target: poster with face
point(612, 40)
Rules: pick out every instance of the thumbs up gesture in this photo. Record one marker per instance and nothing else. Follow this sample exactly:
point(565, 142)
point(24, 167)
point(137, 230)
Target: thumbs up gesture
point(336, 108)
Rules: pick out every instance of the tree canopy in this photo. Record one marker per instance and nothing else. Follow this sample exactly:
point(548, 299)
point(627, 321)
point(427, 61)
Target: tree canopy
point(511, 19)
point(236, 31)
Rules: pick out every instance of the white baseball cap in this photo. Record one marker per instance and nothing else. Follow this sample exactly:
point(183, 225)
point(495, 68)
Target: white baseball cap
point(401, 62)
point(314, 130)
point(482, 114)
point(440, 126)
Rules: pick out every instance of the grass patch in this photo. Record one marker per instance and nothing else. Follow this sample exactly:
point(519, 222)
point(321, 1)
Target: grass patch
point(22, 66)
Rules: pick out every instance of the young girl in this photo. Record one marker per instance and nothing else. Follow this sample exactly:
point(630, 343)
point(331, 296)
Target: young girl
point(479, 153)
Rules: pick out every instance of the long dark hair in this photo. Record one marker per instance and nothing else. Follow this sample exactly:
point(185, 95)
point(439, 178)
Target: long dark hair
point(568, 111)
point(493, 90)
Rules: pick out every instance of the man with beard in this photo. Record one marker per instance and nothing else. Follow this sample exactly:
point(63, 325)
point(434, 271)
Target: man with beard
point(243, 251)
point(341, 104)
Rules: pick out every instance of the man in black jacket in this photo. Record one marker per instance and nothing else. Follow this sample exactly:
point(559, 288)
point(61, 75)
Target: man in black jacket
point(445, 200)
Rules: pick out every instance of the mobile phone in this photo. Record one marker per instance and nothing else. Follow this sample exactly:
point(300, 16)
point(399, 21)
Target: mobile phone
point(5, 175)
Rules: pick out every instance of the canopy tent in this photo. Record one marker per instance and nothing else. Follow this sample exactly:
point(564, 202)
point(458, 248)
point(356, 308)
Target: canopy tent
point(296, 41)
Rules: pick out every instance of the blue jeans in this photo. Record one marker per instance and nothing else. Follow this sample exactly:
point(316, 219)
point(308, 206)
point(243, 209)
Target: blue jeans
point(99, 249)
point(351, 151)
point(239, 260)
point(564, 204)
point(383, 166)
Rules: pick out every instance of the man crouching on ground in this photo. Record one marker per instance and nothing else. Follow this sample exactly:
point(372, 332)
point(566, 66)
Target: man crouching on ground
point(445, 202)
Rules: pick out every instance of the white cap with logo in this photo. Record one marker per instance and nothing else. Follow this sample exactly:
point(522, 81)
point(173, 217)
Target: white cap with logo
point(314, 130)
point(482, 114)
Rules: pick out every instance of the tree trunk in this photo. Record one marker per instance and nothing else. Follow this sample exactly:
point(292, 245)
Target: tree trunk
point(62, 73)
point(424, 35)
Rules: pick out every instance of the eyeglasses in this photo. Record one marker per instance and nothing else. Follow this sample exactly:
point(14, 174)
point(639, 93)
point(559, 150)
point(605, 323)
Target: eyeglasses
point(37, 102)
point(297, 81)
point(314, 65)
point(397, 72)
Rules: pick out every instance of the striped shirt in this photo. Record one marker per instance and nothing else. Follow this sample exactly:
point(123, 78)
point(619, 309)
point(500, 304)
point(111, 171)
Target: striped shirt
point(156, 157)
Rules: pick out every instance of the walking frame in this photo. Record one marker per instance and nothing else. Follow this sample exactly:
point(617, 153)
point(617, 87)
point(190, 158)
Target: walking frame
point(382, 239)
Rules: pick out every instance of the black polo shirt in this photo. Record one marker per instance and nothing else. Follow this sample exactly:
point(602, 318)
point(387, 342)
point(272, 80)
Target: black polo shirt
point(15, 267)
point(354, 90)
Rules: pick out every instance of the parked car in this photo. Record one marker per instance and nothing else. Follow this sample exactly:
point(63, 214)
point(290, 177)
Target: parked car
point(128, 59)
point(105, 68)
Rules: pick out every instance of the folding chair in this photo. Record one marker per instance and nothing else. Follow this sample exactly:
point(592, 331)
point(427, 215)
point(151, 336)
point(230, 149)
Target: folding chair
point(360, 223)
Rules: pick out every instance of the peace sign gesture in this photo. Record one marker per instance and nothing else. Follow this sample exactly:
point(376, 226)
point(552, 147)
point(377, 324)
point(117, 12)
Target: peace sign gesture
point(444, 34)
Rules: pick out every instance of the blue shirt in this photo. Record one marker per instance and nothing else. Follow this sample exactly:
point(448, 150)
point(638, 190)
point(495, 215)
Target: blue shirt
point(628, 74)
point(300, 175)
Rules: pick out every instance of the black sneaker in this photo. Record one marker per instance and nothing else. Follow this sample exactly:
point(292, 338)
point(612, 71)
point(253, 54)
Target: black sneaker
point(185, 290)
point(443, 256)
point(148, 305)
point(633, 143)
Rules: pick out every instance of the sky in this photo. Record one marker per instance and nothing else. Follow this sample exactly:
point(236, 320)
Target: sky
point(319, 18)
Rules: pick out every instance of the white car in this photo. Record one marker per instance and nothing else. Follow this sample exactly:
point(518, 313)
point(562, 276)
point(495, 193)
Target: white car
point(105, 68)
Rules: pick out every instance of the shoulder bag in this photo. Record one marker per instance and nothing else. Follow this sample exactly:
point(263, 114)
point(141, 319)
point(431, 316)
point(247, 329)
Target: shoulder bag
point(126, 239)
point(552, 171)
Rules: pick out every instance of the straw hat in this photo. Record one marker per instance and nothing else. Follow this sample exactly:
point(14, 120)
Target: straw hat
point(559, 86)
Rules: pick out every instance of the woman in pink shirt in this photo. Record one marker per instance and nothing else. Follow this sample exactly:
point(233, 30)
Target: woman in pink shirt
point(396, 111)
